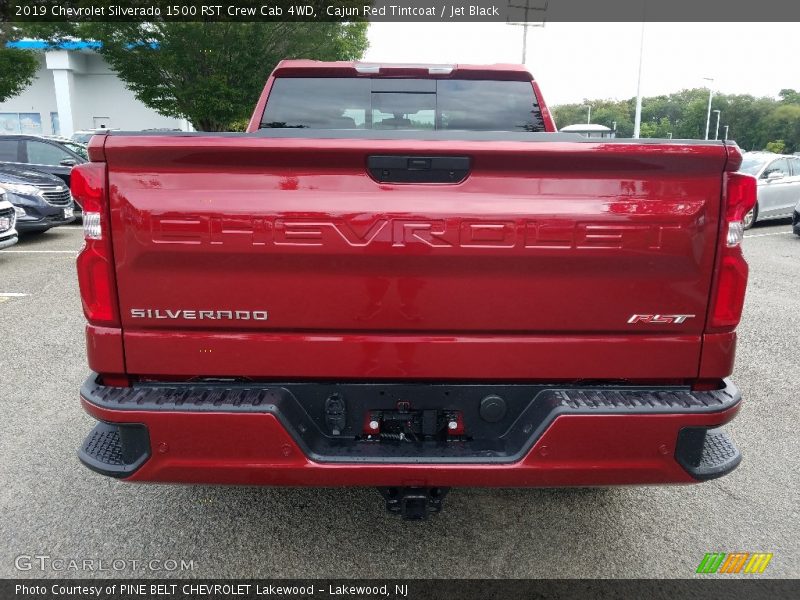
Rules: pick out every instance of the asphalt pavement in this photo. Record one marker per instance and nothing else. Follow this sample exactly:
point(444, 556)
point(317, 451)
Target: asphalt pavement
point(52, 506)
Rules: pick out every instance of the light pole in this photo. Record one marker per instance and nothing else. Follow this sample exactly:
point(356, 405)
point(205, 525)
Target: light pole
point(525, 24)
point(637, 121)
point(589, 116)
point(726, 133)
point(710, 96)
point(716, 131)
point(670, 135)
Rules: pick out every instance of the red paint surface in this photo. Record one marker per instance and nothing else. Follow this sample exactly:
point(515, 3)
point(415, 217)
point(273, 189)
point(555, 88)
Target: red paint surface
point(719, 351)
point(527, 247)
point(386, 356)
point(104, 349)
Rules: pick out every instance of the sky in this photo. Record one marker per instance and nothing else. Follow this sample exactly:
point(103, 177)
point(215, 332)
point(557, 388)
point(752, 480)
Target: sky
point(574, 61)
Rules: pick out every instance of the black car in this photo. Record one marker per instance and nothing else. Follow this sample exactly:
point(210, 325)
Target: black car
point(49, 155)
point(40, 200)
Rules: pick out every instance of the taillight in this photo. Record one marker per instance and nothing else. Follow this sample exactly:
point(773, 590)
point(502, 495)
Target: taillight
point(95, 261)
point(740, 197)
point(731, 283)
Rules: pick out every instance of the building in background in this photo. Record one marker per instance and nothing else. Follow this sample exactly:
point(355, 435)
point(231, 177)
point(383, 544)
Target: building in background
point(75, 89)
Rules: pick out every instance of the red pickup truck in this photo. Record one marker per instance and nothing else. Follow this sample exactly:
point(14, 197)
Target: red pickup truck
point(403, 276)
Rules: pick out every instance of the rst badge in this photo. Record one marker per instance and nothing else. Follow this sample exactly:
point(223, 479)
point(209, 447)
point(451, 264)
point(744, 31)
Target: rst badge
point(659, 319)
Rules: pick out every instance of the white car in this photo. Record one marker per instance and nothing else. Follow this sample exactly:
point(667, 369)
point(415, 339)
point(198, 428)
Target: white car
point(778, 185)
point(84, 135)
point(8, 221)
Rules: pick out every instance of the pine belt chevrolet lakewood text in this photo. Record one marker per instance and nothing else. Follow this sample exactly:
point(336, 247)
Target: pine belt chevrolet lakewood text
point(401, 276)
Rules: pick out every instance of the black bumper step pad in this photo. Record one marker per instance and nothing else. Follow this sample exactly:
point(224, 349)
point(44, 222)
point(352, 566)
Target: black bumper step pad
point(115, 450)
point(243, 397)
point(706, 453)
point(672, 400)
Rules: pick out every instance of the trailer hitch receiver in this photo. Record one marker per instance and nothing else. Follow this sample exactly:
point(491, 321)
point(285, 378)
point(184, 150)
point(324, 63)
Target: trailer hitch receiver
point(414, 503)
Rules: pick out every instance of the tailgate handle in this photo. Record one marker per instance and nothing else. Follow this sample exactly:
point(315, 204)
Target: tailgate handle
point(419, 164)
point(418, 169)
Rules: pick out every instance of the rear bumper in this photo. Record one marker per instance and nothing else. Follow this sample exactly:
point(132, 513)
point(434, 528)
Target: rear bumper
point(230, 434)
point(8, 239)
point(42, 224)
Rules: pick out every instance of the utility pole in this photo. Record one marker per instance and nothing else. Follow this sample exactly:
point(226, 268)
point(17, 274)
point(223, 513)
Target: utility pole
point(716, 132)
point(527, 8)
point(710, 96)
point(637, 121)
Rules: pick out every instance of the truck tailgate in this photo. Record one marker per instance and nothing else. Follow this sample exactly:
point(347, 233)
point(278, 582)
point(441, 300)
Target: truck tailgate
point(281, 257)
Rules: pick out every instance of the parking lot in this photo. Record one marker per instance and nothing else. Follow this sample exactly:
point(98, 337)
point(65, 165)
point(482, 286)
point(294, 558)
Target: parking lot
point(51, 505)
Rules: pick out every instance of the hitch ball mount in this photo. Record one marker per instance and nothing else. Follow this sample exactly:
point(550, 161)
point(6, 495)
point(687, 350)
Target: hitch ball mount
point(414, 503)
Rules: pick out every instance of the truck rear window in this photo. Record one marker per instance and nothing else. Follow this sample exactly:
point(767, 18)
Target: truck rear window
point(414, 104)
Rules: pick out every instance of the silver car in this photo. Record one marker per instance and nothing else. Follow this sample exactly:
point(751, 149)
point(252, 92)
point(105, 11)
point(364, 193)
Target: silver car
point(778, 185)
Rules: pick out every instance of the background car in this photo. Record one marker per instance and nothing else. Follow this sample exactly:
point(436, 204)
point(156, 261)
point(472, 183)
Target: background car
point(40, 153)
point(40, 200)
point(8, 218)
point(83, 136)
point(77, 147)
point(778, 185)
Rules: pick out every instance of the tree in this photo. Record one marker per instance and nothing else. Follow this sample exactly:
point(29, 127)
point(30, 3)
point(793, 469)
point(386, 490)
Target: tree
point(789, 96)
point(783, 125)
point(777, 146)
point(17, 67)
point(210, 73)
point(755, 123)
point(656, 129)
